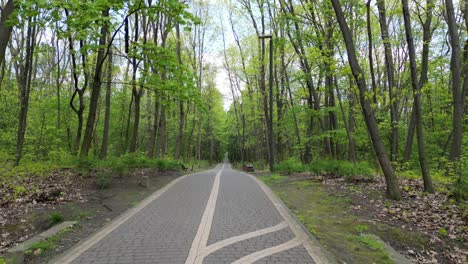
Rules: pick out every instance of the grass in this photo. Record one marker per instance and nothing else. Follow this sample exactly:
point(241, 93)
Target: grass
point(49, 243)
point(376, 246)
point(270, 179)
point(55, 218)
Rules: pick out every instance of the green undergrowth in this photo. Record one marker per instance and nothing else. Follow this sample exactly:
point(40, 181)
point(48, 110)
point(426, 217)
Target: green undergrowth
point(273, 178)
point(338, 168)
point(31, 178)
point(326, 215)
point(120, 164)
point(49, 243)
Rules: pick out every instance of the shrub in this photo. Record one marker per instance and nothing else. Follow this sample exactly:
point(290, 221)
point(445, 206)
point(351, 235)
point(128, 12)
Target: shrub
point(289, 166)
point(103, 179)
point(341, 168)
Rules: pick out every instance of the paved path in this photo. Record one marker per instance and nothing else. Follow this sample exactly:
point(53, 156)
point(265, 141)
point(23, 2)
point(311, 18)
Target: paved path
point(216, 216)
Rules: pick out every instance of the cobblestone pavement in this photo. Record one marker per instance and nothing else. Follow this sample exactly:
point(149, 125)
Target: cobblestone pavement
point(216, 216)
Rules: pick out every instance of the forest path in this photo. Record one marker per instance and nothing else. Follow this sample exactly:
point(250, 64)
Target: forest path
point(216, 216)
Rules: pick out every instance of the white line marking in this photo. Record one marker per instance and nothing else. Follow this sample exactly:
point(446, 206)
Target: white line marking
point(224, 243)
point(268, 252)
point(75, 252)
point(201, 238)
point(313, 247)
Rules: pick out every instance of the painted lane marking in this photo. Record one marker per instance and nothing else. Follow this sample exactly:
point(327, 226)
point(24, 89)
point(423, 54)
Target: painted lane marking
point(232, 240)
point(269, 251)
point(201, 238)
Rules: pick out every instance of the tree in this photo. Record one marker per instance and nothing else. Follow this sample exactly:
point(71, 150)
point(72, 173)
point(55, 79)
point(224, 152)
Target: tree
point(5, 27)
point(390, 178)
point(455, 68)
point(417, 100)
point(96, 86)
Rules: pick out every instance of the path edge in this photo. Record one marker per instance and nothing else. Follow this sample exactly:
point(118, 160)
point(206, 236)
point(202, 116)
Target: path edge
point(317, 248)
point(75, 251)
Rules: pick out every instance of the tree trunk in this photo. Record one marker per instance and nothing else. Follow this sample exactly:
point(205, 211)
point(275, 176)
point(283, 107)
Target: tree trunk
point(455, 68)
point(351, 144)
point(370, 48)
point(137, 93)
point(24, 86)
point(391, 80)
point(5, 28)
point(417, 100)
point(150, 145)
point(105, 133)
point(96, 88)
point(391, 180)
point(427, 35)
point(180, 133)
point(161, 141)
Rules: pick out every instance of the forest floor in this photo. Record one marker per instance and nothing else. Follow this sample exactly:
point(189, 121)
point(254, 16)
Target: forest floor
point(426, 228)
point(68, 195)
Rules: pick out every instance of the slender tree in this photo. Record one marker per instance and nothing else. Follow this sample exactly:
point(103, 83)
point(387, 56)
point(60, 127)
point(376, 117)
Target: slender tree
point(369, 117)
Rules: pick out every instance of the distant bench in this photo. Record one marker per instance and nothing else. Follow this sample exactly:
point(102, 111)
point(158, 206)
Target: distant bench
point(248, 167)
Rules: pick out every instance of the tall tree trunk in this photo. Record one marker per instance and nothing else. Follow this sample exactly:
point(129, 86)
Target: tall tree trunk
point(5, 28)
point(137, 93)
point(417, 100)
point(393, 190)
point(391, 80)
point(351, 144)
point(105, 133)
point(77, 90)
point(24, 86)
point(180, 133)
point(455, 68)
point(427, 36)
point(96, 88)
point(150, 145)
point(370, 48)
point(161, 141)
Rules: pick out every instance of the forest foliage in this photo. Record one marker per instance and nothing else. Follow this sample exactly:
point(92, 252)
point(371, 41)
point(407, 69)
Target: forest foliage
point(359, 87)
point(83, 81)
point(366, 88)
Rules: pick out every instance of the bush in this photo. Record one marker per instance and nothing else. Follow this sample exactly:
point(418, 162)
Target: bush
point(289, 166)
point(103, 179)
point(341, 168)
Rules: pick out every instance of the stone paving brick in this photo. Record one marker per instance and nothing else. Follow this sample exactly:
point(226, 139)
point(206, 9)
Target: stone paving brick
point(242, 207)
point(249, 246)
point(297, 255)
point(160, 233)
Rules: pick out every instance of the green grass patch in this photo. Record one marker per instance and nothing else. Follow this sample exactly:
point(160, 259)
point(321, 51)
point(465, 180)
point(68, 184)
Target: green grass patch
point(361, 228)
point(55, 218)
point(290, 166)
point(270, 179)
point(49, 243)
point(46, 244)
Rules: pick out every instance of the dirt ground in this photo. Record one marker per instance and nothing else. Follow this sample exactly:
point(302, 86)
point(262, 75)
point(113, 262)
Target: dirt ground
point(426, 228)
point(83, 202)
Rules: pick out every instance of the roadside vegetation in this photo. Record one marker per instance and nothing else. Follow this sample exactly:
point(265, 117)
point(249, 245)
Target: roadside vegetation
point(344, 209)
